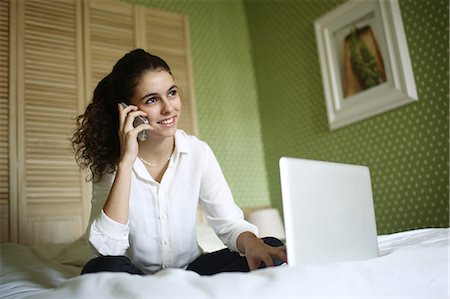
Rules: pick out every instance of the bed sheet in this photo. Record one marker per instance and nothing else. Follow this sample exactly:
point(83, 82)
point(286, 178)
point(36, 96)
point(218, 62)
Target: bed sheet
point(412, 264)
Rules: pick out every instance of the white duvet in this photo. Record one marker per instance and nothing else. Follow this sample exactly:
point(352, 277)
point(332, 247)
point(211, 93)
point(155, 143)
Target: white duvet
point(412, 264)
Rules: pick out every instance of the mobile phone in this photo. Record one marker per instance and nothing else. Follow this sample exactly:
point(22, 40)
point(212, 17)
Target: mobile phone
point(139, 120)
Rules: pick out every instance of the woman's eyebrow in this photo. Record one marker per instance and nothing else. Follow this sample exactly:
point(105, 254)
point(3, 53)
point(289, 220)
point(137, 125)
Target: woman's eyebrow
point(148, 95)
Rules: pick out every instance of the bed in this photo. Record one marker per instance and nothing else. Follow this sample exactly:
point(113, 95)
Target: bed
point(412, 264)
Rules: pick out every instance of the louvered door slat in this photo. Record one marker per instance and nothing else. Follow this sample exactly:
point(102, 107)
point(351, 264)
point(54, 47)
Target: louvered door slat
point(4, 121)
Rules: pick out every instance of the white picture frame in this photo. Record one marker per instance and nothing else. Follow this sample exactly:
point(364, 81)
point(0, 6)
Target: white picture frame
point(377, 26)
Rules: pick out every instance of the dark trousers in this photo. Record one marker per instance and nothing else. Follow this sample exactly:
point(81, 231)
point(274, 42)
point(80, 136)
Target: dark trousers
point(219, 261)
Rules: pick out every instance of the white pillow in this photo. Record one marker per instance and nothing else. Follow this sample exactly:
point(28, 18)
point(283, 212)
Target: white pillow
point(77, 253)
point(207, 238)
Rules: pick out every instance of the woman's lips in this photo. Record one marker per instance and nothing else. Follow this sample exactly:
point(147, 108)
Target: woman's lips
point(167, 122)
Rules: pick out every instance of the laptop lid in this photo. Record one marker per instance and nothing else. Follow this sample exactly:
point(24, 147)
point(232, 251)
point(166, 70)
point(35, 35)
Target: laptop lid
point(328, 211)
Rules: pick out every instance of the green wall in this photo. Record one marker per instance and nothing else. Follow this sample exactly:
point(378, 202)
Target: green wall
point(259, 96)
point(406, 149)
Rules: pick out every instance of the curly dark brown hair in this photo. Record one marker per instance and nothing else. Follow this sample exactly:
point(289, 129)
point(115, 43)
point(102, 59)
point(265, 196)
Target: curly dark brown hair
point(96, 140)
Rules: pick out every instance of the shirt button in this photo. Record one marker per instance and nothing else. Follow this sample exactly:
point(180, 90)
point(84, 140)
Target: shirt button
point(165, 266)
point(163, 217)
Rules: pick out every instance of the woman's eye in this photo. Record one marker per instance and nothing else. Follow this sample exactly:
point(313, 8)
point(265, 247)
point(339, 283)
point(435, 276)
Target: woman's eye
point(151, 100)
point(173, 92)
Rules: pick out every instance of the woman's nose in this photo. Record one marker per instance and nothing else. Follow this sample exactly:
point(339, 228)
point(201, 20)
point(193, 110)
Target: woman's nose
point(167, 107)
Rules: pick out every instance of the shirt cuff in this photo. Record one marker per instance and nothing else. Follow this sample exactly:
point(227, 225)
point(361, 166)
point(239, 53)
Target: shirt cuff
point(112, 228)
point(237, 232)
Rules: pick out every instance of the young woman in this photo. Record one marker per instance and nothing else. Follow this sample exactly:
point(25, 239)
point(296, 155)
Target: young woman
point(146, 192)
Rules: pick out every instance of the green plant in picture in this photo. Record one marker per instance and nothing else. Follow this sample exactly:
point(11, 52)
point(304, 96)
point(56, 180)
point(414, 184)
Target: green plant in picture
point(363, 62)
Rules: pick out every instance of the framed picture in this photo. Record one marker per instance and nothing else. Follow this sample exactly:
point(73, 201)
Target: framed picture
point(364, 59)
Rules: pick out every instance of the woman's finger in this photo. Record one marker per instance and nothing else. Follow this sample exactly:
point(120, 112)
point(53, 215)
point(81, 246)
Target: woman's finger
point(267, 259)
point(123, 113)
point(141, 128)
point(253, 263)
point(279, 253)
point(131, 116)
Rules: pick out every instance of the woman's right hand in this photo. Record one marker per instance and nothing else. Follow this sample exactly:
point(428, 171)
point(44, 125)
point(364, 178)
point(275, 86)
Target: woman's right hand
point(129, 146)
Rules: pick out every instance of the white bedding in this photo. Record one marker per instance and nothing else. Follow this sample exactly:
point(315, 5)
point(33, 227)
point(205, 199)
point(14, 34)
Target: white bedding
point(412, 264)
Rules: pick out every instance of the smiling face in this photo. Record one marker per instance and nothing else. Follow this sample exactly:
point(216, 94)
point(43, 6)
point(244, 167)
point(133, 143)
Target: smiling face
point(157, 95)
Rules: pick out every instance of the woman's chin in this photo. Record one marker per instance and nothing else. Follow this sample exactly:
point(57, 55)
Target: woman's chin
point(165, 133)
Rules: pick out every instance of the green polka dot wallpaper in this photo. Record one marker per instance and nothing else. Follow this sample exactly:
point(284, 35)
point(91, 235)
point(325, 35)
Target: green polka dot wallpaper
point(406, 149)
point(259, 97)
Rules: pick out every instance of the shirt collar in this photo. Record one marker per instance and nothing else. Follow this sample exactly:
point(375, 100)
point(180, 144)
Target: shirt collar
point(181, 144)
point(181, 147)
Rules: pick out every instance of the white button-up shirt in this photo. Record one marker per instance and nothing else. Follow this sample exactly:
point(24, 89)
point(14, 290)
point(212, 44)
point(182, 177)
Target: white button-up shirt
point(160, 232)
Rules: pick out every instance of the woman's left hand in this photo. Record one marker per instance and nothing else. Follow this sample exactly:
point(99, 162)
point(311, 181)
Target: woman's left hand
point(256, 251)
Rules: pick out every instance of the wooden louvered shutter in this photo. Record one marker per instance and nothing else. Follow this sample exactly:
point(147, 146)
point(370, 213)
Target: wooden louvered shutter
point(166, 35)
point(4, 121)
point(50, 90)
point(49, 67)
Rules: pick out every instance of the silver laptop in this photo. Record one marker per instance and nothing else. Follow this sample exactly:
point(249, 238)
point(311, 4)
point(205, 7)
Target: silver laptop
point(328, 212)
